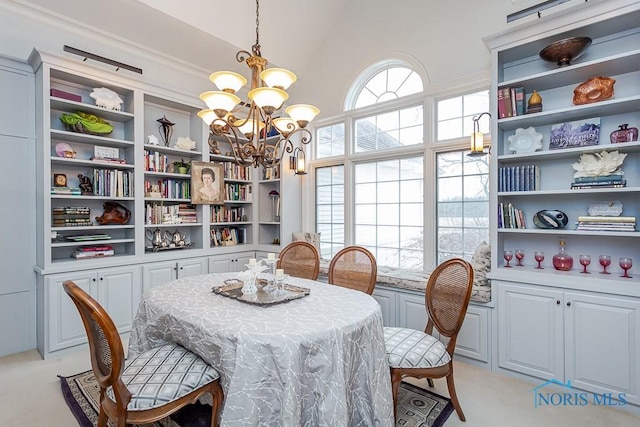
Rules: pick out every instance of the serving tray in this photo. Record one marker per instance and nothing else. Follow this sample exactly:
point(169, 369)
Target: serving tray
point(262, 297)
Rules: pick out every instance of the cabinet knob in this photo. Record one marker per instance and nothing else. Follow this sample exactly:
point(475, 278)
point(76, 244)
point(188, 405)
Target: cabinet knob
point(102, 278)
point(569, 304)
point(558, 302)
point(181, 268)
point(93, 280)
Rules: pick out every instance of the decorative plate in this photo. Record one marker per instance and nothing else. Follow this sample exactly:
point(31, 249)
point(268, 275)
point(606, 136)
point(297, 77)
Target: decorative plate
point(525, 141)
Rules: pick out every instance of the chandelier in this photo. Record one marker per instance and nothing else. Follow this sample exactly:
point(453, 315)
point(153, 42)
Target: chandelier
point(257, 130)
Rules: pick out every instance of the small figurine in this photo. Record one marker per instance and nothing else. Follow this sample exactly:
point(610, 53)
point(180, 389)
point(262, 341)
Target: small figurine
point(534, 105)
point(152, 140)
point(85, 185)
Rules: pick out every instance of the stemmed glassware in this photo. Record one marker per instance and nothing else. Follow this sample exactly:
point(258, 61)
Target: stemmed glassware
point(625, 264)
point(585, 260)
point(519, 256)
point(271, 262)
point(539, 257)
point(605, 261)
point(508, 256)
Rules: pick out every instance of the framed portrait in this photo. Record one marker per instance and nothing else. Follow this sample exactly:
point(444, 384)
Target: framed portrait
point(207, 183)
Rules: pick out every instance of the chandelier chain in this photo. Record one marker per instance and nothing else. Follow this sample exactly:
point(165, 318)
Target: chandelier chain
point(257, 23)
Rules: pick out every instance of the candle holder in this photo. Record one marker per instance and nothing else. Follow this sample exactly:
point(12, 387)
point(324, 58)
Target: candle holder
point(271, 261)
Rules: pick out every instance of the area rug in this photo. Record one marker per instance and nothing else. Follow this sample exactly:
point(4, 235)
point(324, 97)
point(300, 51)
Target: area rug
point(417, 407)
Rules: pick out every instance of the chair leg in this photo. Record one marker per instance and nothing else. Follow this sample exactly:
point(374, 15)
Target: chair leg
point(217, 397)
point(395, 385)
point(430, 382)
point(454, 397)
point(102, 418)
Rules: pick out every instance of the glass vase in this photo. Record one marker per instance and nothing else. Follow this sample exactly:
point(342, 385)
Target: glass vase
point(562, 260)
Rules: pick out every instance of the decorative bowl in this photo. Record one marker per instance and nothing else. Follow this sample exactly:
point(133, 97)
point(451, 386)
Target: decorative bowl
point(593, 90)
point(564, 51)
point(525, 140)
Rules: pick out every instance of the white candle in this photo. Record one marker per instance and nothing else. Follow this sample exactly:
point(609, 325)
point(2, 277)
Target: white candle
point(271, 256)
point(279, 273)
point(252, 261)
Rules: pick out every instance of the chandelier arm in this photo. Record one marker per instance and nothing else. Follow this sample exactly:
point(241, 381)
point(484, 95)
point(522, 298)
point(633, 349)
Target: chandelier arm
point(217, 129)
point(242, 56)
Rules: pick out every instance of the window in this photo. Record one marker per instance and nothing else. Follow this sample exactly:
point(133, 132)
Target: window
point(390, 83)
point(330, 209)
point(391, 129)
point(330, 140)
point(389, 211)
point(463, 204)
point(455, 115)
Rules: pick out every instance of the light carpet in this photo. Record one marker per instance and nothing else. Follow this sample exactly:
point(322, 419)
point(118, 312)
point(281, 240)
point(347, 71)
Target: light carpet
point(417, 407)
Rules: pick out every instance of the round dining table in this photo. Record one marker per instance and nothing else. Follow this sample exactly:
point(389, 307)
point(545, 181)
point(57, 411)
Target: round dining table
point(319, 360)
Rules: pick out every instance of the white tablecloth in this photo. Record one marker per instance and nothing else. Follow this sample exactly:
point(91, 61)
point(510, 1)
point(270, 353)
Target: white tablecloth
point(315, 361)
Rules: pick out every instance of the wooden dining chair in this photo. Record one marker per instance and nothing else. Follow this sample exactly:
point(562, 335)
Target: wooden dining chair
point(300, 259)
point(145, 388)
point(419, 354)
point(354, 267)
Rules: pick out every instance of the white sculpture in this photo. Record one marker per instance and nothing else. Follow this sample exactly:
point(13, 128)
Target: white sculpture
point(185, 143)
point(106, 98)
point(153, 140)
point(599, 164)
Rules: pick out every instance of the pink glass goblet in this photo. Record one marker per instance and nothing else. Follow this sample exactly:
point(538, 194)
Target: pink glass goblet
point(508, 256)
point(605, 261)
point(519, 256)
point(539, 256)
point(585, 260)
point(626, 264)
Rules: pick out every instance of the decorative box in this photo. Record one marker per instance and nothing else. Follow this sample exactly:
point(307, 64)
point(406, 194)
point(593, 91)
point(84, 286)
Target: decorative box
point(65, 95)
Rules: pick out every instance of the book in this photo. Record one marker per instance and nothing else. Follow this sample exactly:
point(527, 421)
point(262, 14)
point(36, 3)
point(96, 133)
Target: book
point(519, 101)
point(586, 218)
point(598, 178)
point(602, 184)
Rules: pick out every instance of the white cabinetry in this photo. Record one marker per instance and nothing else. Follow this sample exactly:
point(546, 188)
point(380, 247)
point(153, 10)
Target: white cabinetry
point(157, 273)
point(59, 324)
point(387, 300)
point(229, 262)
point(588, 338)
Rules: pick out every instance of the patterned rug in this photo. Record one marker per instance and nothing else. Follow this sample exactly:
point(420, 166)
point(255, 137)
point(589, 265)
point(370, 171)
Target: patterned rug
point(416, 407)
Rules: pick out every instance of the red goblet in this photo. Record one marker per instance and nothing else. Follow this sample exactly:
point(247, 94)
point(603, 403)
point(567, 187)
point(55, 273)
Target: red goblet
point(585, 260)
point(519, 256)
point(539, 256)
point(626, 264)
point(508, 256)
point(605, 261)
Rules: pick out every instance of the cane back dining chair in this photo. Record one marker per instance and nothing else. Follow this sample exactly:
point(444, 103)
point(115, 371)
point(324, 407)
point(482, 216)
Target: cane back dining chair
point(145, 388)
point(300, 259)
point(354, 267)
point(420, 355)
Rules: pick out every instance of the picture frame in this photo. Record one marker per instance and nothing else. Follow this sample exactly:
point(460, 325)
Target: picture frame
point(207, 183)
point(580, 133)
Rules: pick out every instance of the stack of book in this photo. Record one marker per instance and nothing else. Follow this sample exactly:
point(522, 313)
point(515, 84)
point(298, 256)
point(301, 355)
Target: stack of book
point(87, 252)
point(187, 213)
point(66, 191)
point(609, 181)
point(71, 216)
point(606, 223)
point(511, 102)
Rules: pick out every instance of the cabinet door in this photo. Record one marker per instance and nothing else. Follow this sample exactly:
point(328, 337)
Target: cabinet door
point(158, 273)
point(387, 300)
point(219, 264)
point(602, 336)
point(473, 338)
point(192, 267)
point(241, 259)
point(412, 312)
point(62, 322)
point(530, 338)
point(119, 294)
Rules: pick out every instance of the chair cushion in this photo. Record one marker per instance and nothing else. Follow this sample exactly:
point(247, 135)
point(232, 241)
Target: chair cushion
point(163, 374)
point(408, 348)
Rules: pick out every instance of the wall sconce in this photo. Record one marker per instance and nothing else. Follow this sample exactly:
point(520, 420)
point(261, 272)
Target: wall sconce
point(297, 162)
point(477, 138)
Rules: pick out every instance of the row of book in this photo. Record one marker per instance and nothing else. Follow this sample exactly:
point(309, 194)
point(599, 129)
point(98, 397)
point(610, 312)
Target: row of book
point(610, 181)
point(519, 178)
point(89, 252)
point(233, 171)
point(606, 223)
point(169, 188)
point(510, 217)
point(155, 161)
point(221, 213)
point(239, 192)
point(112, 183)
point(511, 102)
point(108, 160)
point(228, 236)
point(271, 173)
point(70, 216)
point(182, 213)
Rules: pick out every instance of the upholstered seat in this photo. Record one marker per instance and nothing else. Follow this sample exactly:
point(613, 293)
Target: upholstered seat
point(162, 375)
point(408, 348)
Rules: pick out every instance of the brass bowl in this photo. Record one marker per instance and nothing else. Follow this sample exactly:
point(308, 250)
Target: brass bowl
point(564, 51)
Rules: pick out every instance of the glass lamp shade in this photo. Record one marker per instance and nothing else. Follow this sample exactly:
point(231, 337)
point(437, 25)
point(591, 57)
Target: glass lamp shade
point(285, 125)
point(268, 98)
point(278, 78)
point(477, 142)
point(249, 127)
point(228, 81)
point(207, 116)
point(219, 101)
point(302, 113)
